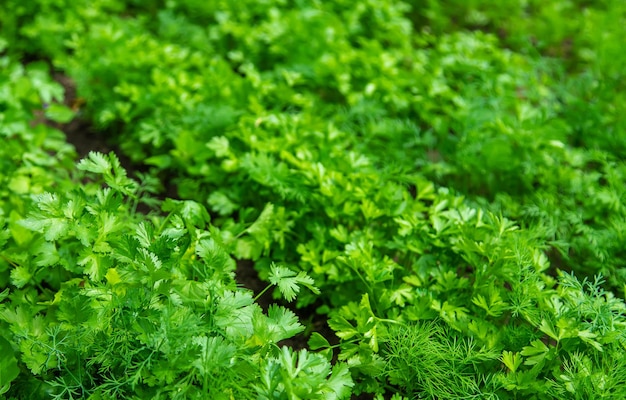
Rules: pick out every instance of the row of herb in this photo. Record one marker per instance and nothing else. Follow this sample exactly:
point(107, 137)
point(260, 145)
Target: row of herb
point(336, 140)
point(100, 301)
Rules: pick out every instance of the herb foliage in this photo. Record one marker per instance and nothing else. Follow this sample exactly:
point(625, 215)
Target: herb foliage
point(443, 185)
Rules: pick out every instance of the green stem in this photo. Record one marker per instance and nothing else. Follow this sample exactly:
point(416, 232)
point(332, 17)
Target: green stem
point(256, 298)
point(13, 264)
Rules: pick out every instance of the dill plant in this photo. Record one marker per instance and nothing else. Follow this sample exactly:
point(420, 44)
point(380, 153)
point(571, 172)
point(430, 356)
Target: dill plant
point(426, 360)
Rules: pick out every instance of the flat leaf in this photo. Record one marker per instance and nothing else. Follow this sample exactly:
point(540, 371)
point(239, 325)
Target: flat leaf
point(213, 254)
point(288, 281)
point(511, 360)
point(547, 328)
point(283, 323)
point(20, 276)
point(144, 234)
point(317, 341)
point(535, 353)
point(342, 327)
point(57, 227)
point(214, 354)
point(59, 113)
point(95, 162)
point(261, 227)
point(339, 384)
point(8, 364)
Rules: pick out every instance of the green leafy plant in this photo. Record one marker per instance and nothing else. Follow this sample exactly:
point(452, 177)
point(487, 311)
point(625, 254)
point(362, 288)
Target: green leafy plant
point(123, 303)
point(442, 186)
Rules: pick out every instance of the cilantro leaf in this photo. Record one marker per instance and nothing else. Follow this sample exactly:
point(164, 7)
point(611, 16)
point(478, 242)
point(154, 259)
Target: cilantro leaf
point(95, 162)
point(289, 282)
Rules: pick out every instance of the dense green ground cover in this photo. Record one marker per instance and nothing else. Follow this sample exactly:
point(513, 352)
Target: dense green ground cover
point(441, 182)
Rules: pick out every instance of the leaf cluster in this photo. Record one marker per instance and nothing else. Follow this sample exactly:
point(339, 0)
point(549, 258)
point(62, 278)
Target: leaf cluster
point(125, 304)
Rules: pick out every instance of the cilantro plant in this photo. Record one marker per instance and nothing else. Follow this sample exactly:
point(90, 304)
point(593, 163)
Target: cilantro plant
point(442, 185)
point(126, 304)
